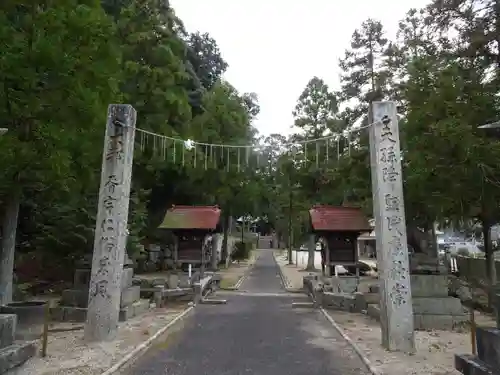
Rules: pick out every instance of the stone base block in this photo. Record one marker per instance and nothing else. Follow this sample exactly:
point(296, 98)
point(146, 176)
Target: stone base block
point(179, 292)
point(374, 288)
point(30, 316)
point(423, 286)
point(79, 297)
point(429, 285)
point(427, 321)
point(440, 322)
point(468, 364)
point(371, 298)
point(79, 314)
point(7, 329)
point(184, 282)
point(173, 281)
point(15, 355)
point(373, 311)
point(127, 278)
point(134, 309)
point(75, 297)
point(345, 284)
point(338, 301)
point(68, 314)
point(130, 295)
point(307, 284)
point(81, 279)
point(428, 305)
point(437, 306)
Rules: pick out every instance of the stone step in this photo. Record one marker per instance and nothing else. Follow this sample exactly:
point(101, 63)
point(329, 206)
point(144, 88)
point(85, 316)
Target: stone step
point(468, 364)
point(15, 355)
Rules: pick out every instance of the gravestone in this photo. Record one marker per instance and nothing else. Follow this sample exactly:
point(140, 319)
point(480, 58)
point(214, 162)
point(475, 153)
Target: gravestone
point(74, 302)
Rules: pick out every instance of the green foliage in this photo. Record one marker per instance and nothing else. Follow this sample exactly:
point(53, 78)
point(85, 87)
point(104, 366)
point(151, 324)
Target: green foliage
point(62, 64)
point(445, 83)
point(242, 250)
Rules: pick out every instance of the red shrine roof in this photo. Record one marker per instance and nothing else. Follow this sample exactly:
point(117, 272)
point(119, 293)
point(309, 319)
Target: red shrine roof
point(338, 219)
point(191, 217)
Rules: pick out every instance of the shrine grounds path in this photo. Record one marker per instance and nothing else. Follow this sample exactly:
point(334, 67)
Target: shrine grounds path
point(256, 333)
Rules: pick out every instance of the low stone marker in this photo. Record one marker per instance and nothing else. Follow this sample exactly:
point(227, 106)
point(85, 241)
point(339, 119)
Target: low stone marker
point(487, 360)
point(12, 353)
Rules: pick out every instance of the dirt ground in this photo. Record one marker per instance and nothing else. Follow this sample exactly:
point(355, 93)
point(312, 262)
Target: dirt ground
point(435, 349)
point(68, 355)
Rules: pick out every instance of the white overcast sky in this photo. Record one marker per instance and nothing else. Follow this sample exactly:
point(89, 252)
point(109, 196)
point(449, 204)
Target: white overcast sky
point(273, 47)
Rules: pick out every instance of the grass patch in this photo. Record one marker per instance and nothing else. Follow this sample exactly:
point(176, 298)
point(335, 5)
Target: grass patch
point(228, 282)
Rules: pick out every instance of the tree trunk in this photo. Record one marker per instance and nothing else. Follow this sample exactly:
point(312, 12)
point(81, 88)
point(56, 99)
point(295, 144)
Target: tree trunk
point(225, 224)
point(216, 238)
point(9, 230)
point(491, 273)
point(311, 253)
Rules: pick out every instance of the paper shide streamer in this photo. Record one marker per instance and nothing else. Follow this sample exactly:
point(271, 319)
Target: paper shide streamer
point(237, 158)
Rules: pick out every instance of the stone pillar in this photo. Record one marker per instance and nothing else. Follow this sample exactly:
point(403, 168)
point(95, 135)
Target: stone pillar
point(111, 225)
point(392, 249)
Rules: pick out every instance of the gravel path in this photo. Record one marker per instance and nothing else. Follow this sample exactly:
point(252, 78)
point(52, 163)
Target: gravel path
point(254, 334)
